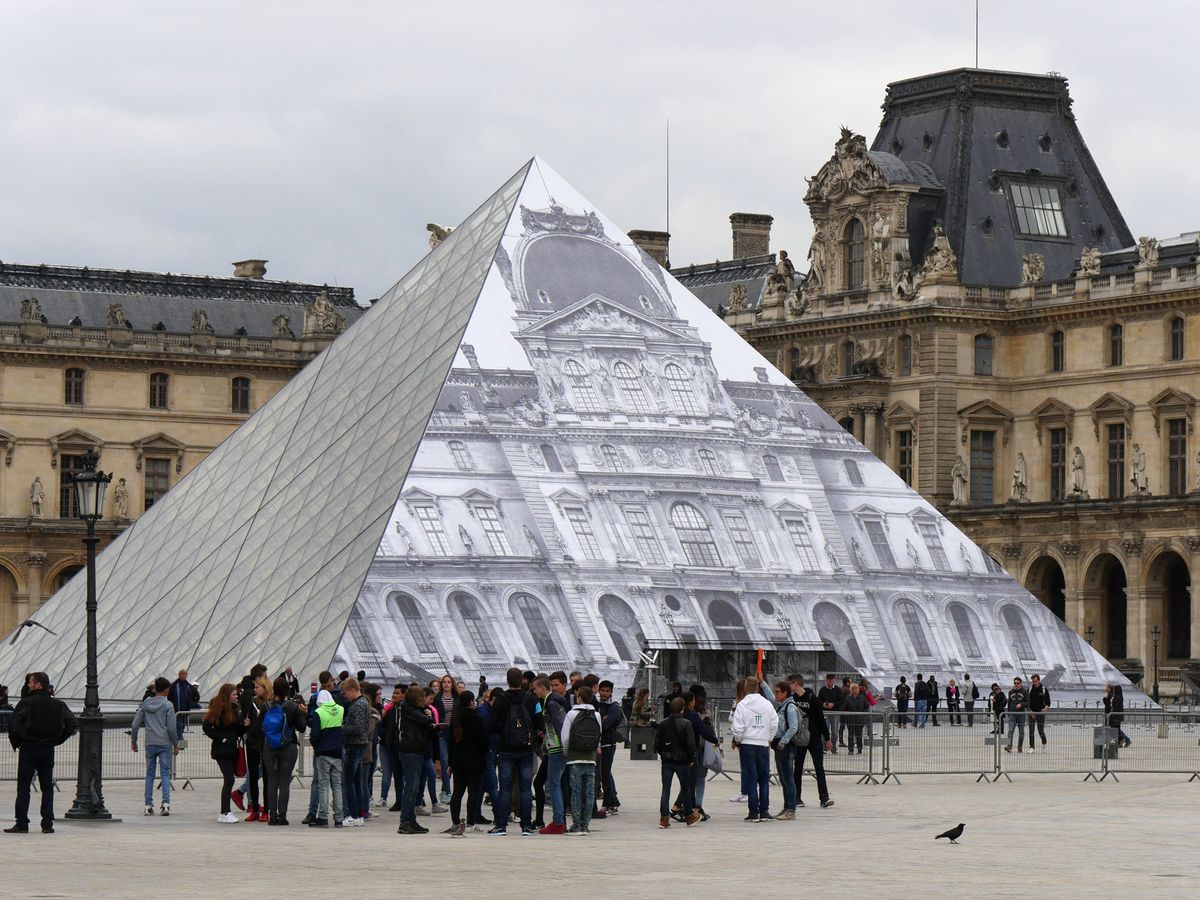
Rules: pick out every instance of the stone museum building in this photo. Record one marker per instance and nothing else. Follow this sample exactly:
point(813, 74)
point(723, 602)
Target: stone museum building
point(152, 370)
point(978, 314)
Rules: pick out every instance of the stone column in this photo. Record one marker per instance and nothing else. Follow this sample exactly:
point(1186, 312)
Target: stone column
point(33, 580)
point(1137, 625)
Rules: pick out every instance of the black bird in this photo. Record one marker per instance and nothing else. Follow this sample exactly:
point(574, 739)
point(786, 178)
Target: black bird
point(954, 833)
point(29, 623)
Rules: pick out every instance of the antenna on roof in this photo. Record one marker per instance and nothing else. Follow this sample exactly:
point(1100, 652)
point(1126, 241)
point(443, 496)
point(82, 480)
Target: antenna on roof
point(977, 34)
point(668, 228)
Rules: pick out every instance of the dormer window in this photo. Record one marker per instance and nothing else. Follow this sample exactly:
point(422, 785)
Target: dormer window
point(853, 254)
point(1038, 209)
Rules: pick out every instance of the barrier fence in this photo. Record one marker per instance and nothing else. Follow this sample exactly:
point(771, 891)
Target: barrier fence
point(1080, 741)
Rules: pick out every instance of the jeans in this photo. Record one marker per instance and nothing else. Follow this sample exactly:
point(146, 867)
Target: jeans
point(818, 761)
point(699, 783)
point(35, 759)
point(607, 782)
point(411, 766)
point(856, 731)
point(327, 776)
point(1016, 722)
point(901, 709)
point(684, 774)
point(444, 751)
point(351, 780)
point(1038, 720)
point(389, 767)
point(756, 764)
point(785, 765)
point(832, 721)
point(920, 718)
point(280, 764)
point(160, 758)
point(583, 793)
point(521, 766)
point(970, 704)
point(180, 724)
point(555, 764)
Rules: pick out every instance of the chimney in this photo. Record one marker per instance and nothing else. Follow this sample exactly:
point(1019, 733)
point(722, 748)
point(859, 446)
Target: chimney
point(254, 269)
point(655, 243)
point(751, 234)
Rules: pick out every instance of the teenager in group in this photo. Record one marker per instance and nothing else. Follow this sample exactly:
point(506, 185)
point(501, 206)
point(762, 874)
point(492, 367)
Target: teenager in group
point(675, 744)
point(818, 741)
point(429, 775)
point(695, 711)
point(468, 756)
point(1018, 705)
point(413, 743)
point(157, 714)
point(488, 786)
point(783, 743)
point(998, 704)
point(371, 754)
point(513, 721)
point(252, 706)
point(616, 730)
point(356, 729)
point(223, 726)
point(1039, 702)
point(552, 693)
point(582, 736)
point(643, 709)
point(282, 722)
point(325, 720)
point(389, 764)
point(753, 727)
point(970, 693)
point(744, 776)
point(443, 701)
point(857, 708)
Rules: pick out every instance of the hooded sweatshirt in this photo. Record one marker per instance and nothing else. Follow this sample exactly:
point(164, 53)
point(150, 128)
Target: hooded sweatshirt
point(326, 724)
point(754, 721)
point(157, 714)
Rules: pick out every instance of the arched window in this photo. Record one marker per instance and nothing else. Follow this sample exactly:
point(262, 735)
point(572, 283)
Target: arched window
point(910, 616)
point(695, 535)
point(159, 386)
point(1177, 334)
point(847, 422)
point(708, 463)
point(852, 255)
point(681, 390)
point(586, 398)
point(74, 387)
point(774, 472)
point(364, 640)
point(1058, 352)
point(727, 622)
point(551, 458)
point(632, 391)
point(462, 456)
point(405, 608)
point(847, 358)
point(904, 352)
point(531, 613)
point(1019, 633)
point(1116, 344)
point(983, 354)
point(966, 631)
point(476, 628)
point(239, 395)
point(623, 627)
point(612, 458)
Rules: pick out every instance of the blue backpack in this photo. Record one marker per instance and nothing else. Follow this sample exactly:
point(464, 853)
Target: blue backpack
point(276, 730)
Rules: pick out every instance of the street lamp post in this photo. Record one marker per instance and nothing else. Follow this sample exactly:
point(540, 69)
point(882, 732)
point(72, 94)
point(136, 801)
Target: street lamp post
point(1156, 634)
point(90, 485)
point(1090, 634)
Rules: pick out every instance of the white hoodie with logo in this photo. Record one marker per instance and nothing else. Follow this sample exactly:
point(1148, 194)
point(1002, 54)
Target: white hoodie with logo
point(754, 721)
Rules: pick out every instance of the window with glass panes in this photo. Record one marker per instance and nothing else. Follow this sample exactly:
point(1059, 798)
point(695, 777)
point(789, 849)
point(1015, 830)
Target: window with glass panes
point(879, 542)
point(69, 465)
point(586, 398)
point(74, 387)
point(1116, 345)
point(904, 455)
point(1177, 338)
point(1115, 459)
point(363, 639)
point(695, 536)
point(708, 463)
point(933, 541)
point(1019, 633)
point(531, 612)
point(239, 399)
point(797, 530)
point(631, 389)
point(983, 354)
point(911, 618)
point(771, 463)
point(681, 390)
point(477, 629)
point(418, 628)
point(853, 473)
point(583, 531)
point(1058, 352)
point(966, 631)
point(1177, 453)
point(493, 530)
point(462, 456)
point(159, 385)
point(743, 541)
point(612, 458)
point(431, 524)
point(905, 360)
point(983, 473)
point(157, 479)
point(1058, 463)
point(644, 535)
point(1039, 209)
point(853, 254)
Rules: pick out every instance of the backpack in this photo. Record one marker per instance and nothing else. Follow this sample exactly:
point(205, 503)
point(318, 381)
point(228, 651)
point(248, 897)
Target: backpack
point(585, 733)
point(516, 732)
point(668, 742)
point(276, 730)
point(801, 737)
point(621, 732)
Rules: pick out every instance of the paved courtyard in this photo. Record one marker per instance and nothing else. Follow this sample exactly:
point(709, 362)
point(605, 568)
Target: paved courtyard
point(1040, 834)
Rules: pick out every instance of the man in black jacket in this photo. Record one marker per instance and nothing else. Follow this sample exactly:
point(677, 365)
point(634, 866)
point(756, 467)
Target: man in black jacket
point(970, 693)
point(1018, 706)
point(1039, 702)
point(675, 744)
point(514, 720)
point(414, 727)
point(818, 740)
point(183, 696)
point(39, 724)
point(830, 697)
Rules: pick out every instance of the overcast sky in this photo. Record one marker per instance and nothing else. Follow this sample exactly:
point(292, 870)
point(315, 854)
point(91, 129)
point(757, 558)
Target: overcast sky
point(323, 136)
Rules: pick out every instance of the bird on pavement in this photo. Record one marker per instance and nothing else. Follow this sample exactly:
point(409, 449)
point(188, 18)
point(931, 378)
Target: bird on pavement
point(954, 833)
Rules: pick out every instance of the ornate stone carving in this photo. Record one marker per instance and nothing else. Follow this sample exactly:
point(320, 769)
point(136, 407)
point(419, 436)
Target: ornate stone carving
point(115, 318)
point(834, 563)
point(465, 537)
point(282, 327)
point(600, 319)
point(850, 169)
point(37, 496)
point(754, 422)
point(321, 318)
point(913, 555)
point(529, 411)
point(535, 549)
point(818, 258)
point(907, 283)
point(35, 559)
point(968, 563)
point(1089, 261)
point(1192, 543)
point(1033, 268)
point(940, 262)
point(31, 310)
point(200, 323)
point(1147, 253)
point(1138, 470)
point(959, 476)
point(1020, 480)
point(121, 500)
point(737, 298)
point(1069, 549)
point(1011, 551)
point(881, 240)
point(1132, 546)
point(437, 233)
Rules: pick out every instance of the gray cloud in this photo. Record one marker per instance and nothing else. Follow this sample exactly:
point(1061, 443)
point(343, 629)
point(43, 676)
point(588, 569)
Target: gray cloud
point(324, 136)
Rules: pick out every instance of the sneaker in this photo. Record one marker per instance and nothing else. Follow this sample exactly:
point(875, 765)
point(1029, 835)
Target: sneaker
point(799, 803)
point(600, 814)
point(1008, 748)
point(612, 810)
point(537, 823)
point(676, 816)
point(751, 818)
point(253, 817)
point(553, 828)
point(227, 818)
point(740, 798)
point(47, 829)
point(825, 804)
point(309, 819)
point(149, 809)
point(320, 823)
point(692, 819)
point(664, 822)
point(498, 831)
point(395, 807)
point(1020, 750)
point(17, 829)
point(349, 821)
point(368, 815)
point(165, 810)
point(574, 830)
point(356, 822)
point(238, 799)
point(704, 817)
point(381, 803)
point(766, 817)
point(338, 824)
point(527, 831)
point(788, 815)
point(418, 829)
point(444, 797)
point(438, 809)
point(407, 828)
point(421, 811)
point(264, 816)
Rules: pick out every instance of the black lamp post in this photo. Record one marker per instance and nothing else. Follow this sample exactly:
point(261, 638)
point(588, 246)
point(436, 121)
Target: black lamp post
point(1090, 634)
point(1156, 634)
point(90, 485)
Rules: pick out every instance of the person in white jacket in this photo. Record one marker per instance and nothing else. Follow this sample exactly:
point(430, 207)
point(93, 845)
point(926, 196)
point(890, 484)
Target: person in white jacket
point(753, 725)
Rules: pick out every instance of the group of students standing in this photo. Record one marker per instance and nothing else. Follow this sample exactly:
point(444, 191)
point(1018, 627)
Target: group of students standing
point(926, 696)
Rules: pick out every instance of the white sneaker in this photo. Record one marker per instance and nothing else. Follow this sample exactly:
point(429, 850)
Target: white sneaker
point(380, 802)
point(349, 822)
point(166, 809)
point(740, 798)
point(227, 818)
point(149, 809)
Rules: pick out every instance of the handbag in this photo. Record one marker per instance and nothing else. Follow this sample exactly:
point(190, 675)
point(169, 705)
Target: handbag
point(712, 759)
point(239, 765)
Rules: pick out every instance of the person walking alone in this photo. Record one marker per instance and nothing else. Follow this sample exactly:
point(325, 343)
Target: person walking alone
point(222, 724)
point(157, 715)
point(38, 725)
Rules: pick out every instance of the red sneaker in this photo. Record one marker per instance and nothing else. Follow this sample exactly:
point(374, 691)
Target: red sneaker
point(552, 828)
point(253, 817)
point(263, 815)
point(238, 800)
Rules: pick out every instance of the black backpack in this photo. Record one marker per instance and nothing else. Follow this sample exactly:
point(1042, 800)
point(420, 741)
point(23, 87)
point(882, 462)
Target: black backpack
point(516, 733)
point(668, 741)
point(585, 733)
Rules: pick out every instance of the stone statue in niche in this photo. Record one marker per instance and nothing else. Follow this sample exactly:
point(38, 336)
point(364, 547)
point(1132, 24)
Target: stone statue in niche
point(1147, 253)
point(406, 544)
point(913, 555)
point(959, 475)
point(437, 234)
point(856, 554)
point(535, 549)
point(1138, 468)
point(966, 557)
point(785, 271)
point(37, 496)
point(1089, 261)
point(1033, 268)
point(465, 403)
point(1079, 474)
point(466, 540)
point(1020, 479)
point(121, 500)
point(880, 242)
point(940, 261)
point(817, 259)
point(31, 310)
point(833, 557)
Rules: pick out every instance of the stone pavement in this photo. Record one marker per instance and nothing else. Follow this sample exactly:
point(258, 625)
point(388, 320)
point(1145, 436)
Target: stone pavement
point(1042, 834)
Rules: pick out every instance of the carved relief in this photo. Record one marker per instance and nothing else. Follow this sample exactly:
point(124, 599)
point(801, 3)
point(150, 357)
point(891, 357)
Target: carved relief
point(1033, 268)
point(1147, 253)
point(1089, 261)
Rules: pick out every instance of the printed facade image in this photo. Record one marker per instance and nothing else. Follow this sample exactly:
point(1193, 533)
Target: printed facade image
point(608, 468)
